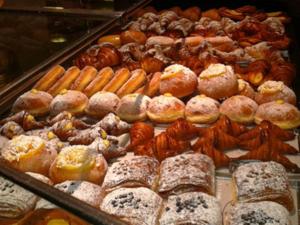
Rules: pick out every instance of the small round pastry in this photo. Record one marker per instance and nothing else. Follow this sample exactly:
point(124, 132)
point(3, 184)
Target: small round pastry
point(218, 81)
point(78, 162)
point(29, 154)
point(102, 103)
point(282, 114)
point(246, 89)
point(133, 107)
point(178, 80)
point(35, 102)
point(113, 39)
point(202, 109)
point(274, 90)
point(69, 100)
point(165, 109)
point(239, 108)
point(132, 36)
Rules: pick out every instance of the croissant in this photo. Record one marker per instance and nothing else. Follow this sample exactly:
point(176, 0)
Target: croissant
point(247, 9)
point(167, 17)
point(283, 71)
point(152, 65)
point(183, 25)
point(194, 63)
point(99, 56)
point(192, 13)
point(232, 14)
point(230, 127)
point(281, 44)
point(140, 133)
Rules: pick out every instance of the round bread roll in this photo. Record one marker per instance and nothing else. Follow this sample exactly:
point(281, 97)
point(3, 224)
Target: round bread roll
point(239, 108)
point(178, 80)
point(133, 107)
point(35, 102)
point(274, 90)
point(165, 109)
point(202, 109)
point(246, 89)
point(283, 114)
point(218, 81)
point(72, 101)
point(102, 103)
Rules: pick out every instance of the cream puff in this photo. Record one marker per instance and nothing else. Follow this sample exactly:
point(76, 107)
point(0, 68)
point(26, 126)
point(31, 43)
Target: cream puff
point(274, 90)
point(133, 107)
point(282, 114)
point(72, 101)
point(245, 89)
point(78, 162)
point(239, 108)
point(102, 103)
point(178, 80)
point(35, 102)
point(202, 109)
point(165, 109)
point(218, 81)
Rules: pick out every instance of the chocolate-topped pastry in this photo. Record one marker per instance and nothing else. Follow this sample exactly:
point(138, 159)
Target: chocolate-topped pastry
point(262, 213)
point(262, 181)
point(136, 206)
point(185, 173)
point(132, 171)
point(191, 208)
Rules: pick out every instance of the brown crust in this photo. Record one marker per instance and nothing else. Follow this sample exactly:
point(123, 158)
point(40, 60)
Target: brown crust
point(121, 76)
point(85, 77)
point(132, 36)
point(152, 87)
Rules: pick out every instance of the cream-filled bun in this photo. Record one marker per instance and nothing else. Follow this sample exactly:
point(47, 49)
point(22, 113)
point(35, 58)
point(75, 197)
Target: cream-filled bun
point(246, 89)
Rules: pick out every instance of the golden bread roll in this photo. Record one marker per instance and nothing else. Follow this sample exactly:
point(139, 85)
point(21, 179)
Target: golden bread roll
point(113, 39)
point(72, 101)
point(65, 81)
point(133, 107)
point(48, 80)
point(282, 114)
point(78, 162)
point(120, 78)
point(86, 75)
point(239, 108)
point(132, 36)
point(101, 79)
point(35, 102)
point(102, 103)
point(152, 87)
point(137, 79)
point(165, 109)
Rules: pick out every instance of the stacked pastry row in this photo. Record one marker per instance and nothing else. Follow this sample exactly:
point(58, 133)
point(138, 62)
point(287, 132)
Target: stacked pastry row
point(173, 192)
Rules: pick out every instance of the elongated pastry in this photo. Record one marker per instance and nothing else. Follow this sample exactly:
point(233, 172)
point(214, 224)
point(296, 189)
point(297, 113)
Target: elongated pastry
point(114, 39)
point(132, 204)
point(262, 181)
point(101, 79)
point(65, 81)
point(191, 208)
point(119, 79)
point(130, 36)
point(86, 75)
point(185, 173)
point(49, 79)
point(86, 136)
point(136, 80)
point(151, 88)
point(113, 125)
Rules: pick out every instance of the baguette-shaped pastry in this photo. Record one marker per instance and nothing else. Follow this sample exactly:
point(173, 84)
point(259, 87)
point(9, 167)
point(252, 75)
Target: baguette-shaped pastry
point(86, 75)
point(132, 171)
point(136, 80)
point(121, 76)
point(152, 87)
point(136, 206)
point(65, 81)
point(115, 40)
point(187, 172)
point(191, 208)
point(48, 80)
point(101, 79)
point(262, 181)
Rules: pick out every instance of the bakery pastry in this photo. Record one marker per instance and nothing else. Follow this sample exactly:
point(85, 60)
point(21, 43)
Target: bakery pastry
point(72, 101)
point(178, 80)
point(64, 129)
point(132, 171)
point(132, 204)
point(26, 153)
point(212, 14)
point(34, 102)
point(151, 64)
point(130, 36)
point(283, 114)
point(139, 134)
point(275, 90)
point(264, 212)
point(218, 81)
point(11, 129)
point(86, 75)
point(239, 108)
point(228, 126)
point(78, 162)
point(202, 109)
point(102, 103)
point(151, 88)
point(113, 125)
point(133, 107)
point(191, 208)
point(159, 40)
point(165, 109)
point(262, 181)
point(119, 79)
point(49, 78)
point(181, 129)
point(113, 39)
point(185, 173)
point(86, 136)
point(245, 89)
